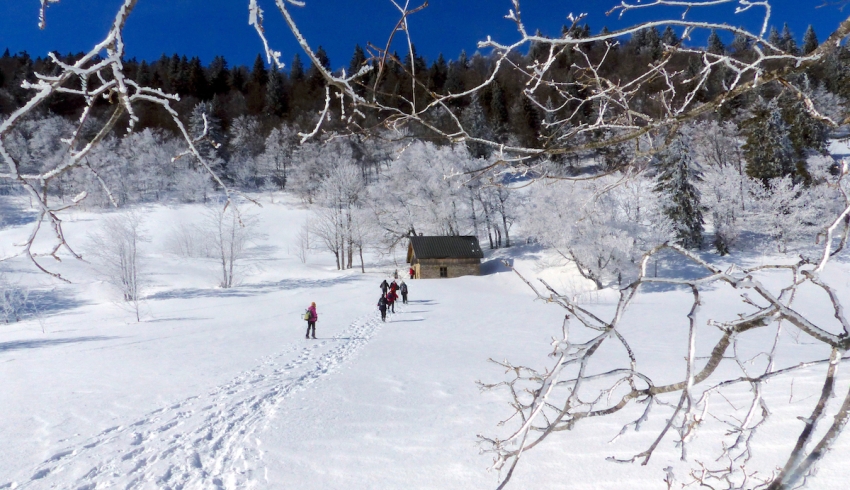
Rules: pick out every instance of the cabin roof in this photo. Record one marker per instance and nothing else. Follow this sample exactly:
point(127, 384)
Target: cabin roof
point(444, 247)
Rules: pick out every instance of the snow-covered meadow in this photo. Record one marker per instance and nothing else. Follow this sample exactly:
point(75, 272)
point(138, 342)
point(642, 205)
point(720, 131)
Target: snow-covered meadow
point(217, 388)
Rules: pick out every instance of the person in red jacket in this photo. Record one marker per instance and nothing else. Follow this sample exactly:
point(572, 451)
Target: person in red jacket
point(391, 297)
point(311, 320)
point(412, 272)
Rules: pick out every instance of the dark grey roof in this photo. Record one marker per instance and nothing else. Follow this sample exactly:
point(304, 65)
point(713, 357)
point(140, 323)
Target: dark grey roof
point(446, 247)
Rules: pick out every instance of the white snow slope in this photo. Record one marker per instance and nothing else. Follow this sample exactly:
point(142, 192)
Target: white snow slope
point(217, 388)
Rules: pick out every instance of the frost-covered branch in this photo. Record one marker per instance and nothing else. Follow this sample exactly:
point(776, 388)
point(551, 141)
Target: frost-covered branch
point(100, 76)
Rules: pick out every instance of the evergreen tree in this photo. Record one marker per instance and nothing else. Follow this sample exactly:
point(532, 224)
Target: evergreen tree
point(773, 38)
point(676, 178)
point(498, 106)
point(314, 75)
point(218, 76)
point(810, 40)
point(437, 74)
point(454, 80)
point(768, 149)
point(259, 75)
point(652, 43)
point(669, 37)
point(238, 78)
point(740, 44)
point(209, 147)
point(177, 75)
point(296, 69)
point(197, 80)
point(277, 98)
point(358, 59)
point(638, 40)
point(476, 124)
point(787, 42)
point(714, 45)
point(143, 74)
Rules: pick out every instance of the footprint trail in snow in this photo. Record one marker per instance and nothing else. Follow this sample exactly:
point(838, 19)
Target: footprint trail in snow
point(206, 441)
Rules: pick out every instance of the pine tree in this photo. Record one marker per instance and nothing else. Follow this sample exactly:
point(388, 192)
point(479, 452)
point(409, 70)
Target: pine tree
point(787, 42)
point(277, 98)
point(652, 43)
point(218, 76)
point(676, 178)
point(314, 75)
point(638, 41)
point(358, 59)
point(209, 146)
point(197, 80)
point(740, 44)
point(437, 74)
point(259, 75)
point(773, 38)
point(143, 74)
point(714, 45)
point(238, 78)
point(810, 40)
point(296, 69)
point(498, 106)
point(669, 37)
point(477, 125)
point(768, 150)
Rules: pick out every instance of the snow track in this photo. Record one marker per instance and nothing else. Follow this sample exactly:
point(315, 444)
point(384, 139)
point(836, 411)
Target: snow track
point(206, 441)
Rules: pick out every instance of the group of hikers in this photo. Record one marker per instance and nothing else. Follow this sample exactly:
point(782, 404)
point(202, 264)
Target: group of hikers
point(389, 294)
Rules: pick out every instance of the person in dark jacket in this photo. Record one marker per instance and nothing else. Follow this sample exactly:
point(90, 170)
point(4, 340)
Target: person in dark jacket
point(402, 288)
point(311, 320)
point(391, 297)
point(382, 305)
point(384, 287)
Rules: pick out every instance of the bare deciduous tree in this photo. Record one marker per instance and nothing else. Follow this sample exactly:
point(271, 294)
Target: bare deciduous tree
point(116, 248)
point(231, 230)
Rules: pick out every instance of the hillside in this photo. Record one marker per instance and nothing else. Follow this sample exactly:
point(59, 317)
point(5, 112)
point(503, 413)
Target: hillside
point(217, 388)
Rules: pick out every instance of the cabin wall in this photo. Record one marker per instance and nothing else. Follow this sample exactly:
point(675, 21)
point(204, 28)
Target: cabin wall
point(430, 268)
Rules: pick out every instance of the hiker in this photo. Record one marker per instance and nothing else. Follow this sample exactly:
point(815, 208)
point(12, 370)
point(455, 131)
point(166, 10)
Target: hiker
point(403, 289)
point(311, 317)
point(382, 305)
point(391, 297)
point(384, 286)
point(395, 274)
point(412, 272)
point(394, 286)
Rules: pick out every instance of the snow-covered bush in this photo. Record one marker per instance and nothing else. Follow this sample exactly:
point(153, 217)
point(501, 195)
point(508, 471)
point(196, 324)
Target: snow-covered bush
point(14, 300)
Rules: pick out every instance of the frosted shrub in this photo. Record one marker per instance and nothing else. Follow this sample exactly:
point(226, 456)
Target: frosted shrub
point(13, 301)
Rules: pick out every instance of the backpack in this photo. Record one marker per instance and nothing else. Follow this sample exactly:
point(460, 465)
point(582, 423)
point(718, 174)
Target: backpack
point(307, 315)
point(404, 289)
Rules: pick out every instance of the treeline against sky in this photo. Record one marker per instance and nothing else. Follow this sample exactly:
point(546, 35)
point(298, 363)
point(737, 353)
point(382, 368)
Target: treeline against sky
point(295, 96)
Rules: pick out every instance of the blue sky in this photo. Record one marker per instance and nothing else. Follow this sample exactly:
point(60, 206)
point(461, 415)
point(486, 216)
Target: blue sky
point(206, 28)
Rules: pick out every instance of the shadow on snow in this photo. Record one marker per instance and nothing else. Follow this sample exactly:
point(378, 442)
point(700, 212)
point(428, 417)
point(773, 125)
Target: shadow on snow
point(247, 290)
point(37, 344)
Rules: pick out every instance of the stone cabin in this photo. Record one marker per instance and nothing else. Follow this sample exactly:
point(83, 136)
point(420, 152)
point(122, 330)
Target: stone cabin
point(444, 256)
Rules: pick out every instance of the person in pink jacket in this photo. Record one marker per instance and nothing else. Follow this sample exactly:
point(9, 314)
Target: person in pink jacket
point(311, 320)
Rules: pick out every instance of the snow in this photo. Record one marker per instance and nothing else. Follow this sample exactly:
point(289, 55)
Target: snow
point(217, 388)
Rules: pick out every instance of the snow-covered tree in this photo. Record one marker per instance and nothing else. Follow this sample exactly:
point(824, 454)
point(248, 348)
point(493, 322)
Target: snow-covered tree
point(677, 175)
point(768, 150)
point(273, 163)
